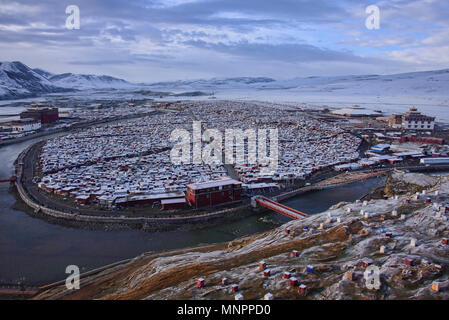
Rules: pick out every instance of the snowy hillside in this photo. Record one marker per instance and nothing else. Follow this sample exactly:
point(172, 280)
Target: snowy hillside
point(18, 80)
point(429, 83)
point(43, 73)
point(83, 81)
point(87, 81)
point(435, 83)
point(214, 83)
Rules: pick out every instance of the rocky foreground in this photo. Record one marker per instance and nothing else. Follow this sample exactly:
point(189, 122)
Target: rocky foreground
point(324, 256)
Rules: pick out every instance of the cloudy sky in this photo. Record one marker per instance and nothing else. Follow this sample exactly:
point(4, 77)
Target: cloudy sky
point(159, 40)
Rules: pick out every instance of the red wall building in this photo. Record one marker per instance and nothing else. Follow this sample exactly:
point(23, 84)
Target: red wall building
point(148, 200)
point(211, 193)
point(44, 115)
point(173, 204)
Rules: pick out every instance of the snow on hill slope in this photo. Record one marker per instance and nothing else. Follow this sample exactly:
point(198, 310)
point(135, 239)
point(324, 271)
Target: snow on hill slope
point(434, 83)
point(214, 83)
point(43, 73)
point(328, 246)
point(87, 81)
point(83, 81)
point(18, 80)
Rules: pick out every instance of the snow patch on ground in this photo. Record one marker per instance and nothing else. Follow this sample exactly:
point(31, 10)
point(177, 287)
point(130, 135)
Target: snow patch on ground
point(419, 179)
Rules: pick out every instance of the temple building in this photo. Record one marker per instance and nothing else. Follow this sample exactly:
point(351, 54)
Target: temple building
point(412, 120)
point(211, 193)
point(43, 114)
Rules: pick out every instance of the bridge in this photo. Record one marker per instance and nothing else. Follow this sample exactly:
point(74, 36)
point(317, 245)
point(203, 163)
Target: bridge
point(10, 179)
point(277, 207)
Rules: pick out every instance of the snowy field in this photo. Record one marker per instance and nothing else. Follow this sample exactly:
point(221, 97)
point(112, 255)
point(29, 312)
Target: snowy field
point(428, 90)
point(432, 106)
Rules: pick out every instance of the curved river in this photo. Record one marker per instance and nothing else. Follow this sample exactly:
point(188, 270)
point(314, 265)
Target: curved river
point(40, 251)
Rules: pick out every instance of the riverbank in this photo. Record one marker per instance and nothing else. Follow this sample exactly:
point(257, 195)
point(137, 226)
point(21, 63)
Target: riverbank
point(402, 237)
point(40, 251)
point(40, 204)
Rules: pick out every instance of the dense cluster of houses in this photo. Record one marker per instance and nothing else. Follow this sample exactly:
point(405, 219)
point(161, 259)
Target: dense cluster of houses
point(306, 145)
point(128, 163)
point(398, 153)
point(98, 111)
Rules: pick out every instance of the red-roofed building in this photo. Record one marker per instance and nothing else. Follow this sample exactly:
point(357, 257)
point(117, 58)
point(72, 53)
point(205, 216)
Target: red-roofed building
point(211, 193)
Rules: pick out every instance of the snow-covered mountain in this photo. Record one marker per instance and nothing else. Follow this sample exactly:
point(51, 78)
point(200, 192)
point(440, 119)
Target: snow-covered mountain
point(43, 73)
point(88, 81)
point(19, 81)
point(435, 83)
point(214, 83)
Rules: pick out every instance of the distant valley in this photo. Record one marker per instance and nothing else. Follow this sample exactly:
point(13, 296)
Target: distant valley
point(20, 81)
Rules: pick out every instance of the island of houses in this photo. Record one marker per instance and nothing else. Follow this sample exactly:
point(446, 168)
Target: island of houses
point(128, 164)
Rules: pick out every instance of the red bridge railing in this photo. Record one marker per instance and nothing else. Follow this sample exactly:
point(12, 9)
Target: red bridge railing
point(280, 208)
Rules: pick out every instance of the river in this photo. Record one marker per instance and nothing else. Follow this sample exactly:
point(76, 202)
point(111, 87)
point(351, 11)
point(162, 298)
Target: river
point(40, 251)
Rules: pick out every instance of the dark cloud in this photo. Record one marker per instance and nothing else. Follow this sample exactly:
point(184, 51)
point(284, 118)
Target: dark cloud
point(187, 36)
point(101, 62)
point(280, 52)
